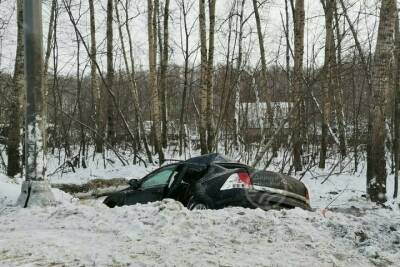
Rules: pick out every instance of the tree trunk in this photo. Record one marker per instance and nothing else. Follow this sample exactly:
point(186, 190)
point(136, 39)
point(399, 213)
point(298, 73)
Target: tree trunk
point(396, 139)
point(93, 82)
point(185, 82)
point(152, 36)
point(288, 49)
point(264, 88)
point(14, 131)
point(163, 75)
point(239, 77)
point(383, 58)
point(327, 87)
point(131, 77)
point(340, 117)
point(82, 147)
point(140, 133)
point(203, 79)
point(111, 137)
point(298, 82)
point(48, 53)
point(210, 73)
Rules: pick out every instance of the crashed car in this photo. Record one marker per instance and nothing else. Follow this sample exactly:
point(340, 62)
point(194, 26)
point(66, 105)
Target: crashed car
point(214, 182)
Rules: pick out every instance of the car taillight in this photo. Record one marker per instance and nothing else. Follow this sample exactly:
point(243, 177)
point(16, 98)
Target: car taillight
point(244, 178)
point(237, 180)
point(307, 196)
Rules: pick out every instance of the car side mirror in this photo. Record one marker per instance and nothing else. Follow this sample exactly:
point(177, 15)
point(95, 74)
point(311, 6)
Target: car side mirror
point(134, 183)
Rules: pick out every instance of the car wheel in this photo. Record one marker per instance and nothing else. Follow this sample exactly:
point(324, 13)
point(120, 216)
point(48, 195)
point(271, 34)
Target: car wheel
point(195, 205)
point(199, 206)
point(110, 203)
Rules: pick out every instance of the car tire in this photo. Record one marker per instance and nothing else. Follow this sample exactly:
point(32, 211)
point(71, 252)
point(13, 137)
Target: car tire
point(110, 203)
point(193, 204)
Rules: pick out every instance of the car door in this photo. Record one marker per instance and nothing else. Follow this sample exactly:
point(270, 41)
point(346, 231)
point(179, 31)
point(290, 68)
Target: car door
point(152, 187)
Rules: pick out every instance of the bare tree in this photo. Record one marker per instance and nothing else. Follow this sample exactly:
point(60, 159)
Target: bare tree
point(110, 74)
point(396, 112)
point(80, 106)
point(328, 81)
point(206, 76)
point(338, 94)
point(263, 64)
point(95, 89)
point(383, 59)
point(109, 90)
point(152, 36)
point(14, 132)
point(239, 77)
point(163, 74)
point(298, 17)
point(210, 73)
point(185, 39)
point(203, 79)
point(131, 76)
point(48, 53)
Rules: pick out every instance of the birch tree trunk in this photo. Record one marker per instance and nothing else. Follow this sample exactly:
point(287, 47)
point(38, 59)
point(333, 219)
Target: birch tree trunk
point(396, 108)
point(288, 49)
point(263, 65)
point(210, 73)
point(239, 77)
point(14, 131)
point(203, 79)
point(340, 117)
point(298, 82)
point(110, 74)
point(82, 146)
point(47, 55)
point(95, 89)
point(186, 53)
point(327, 87)
point(163, 74)
point(152, 36)
point(383, 59)
point(140, 133)
point(131, 77)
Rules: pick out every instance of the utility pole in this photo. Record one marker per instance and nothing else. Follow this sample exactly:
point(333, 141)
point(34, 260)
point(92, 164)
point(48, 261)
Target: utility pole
point(35, 189)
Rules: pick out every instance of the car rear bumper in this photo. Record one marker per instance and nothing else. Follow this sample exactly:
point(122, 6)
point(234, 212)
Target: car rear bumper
point(266, 200)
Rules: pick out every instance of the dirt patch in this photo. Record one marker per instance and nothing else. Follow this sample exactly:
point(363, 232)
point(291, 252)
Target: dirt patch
point(94, 188)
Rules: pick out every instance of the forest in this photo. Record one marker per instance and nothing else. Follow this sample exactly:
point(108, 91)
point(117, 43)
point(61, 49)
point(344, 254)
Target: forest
point(97, 93)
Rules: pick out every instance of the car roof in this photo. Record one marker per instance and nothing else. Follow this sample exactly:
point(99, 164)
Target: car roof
point(208, 159)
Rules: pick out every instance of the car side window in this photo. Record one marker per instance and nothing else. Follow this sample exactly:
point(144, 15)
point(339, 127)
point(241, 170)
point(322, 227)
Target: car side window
point(159, 178)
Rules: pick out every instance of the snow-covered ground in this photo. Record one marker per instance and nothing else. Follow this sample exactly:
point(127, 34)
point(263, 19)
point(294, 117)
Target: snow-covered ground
point(352, 232)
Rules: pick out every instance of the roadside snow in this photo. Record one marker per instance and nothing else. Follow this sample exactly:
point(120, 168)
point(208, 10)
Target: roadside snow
point(352, 232)
point(10, 189)
point(166, 233)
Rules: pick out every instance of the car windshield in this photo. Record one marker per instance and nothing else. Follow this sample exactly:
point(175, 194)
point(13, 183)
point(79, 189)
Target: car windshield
point(158, 178)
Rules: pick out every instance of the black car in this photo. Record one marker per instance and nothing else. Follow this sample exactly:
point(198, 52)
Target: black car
point(214, 182)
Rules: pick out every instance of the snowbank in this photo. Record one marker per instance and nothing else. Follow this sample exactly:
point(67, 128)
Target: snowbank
point(353, 232)
point(166, 233)
point(10, 190)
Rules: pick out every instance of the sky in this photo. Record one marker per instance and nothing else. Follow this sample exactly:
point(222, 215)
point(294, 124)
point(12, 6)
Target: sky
point(272, 12)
